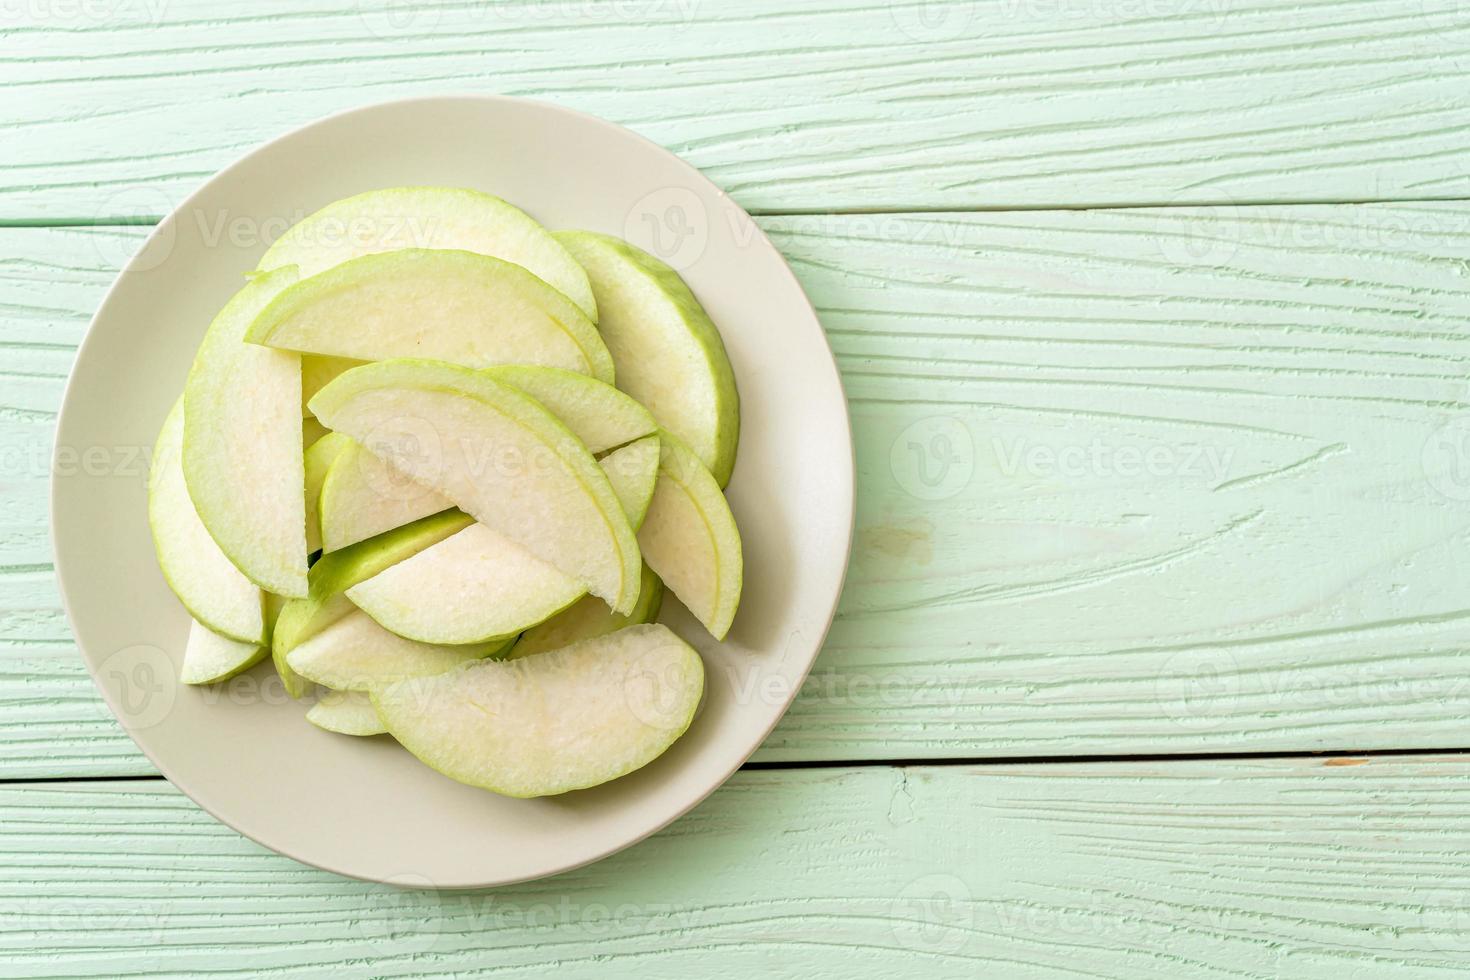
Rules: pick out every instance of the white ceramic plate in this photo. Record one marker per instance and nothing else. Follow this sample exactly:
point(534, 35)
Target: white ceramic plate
point(365, 807)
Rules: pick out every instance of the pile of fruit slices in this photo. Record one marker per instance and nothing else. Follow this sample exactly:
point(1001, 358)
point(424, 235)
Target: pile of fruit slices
point(441, 464)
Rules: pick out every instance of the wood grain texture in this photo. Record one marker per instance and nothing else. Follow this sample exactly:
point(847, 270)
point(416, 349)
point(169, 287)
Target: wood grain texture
point(1294, 869)
point(1148, 481)
point(118, 108)
point(1130, 482)
point(50, 283)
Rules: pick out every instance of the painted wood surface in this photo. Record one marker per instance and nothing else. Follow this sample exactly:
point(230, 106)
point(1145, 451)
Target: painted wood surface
point(1131, 482)
point(117, 108)
point(1342, 869)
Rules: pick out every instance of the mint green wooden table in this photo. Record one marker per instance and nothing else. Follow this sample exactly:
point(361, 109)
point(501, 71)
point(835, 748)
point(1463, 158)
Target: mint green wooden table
point(1154, 316)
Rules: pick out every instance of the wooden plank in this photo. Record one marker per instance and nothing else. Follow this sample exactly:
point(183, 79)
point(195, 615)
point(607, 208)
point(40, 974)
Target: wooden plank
point(1130, 482)
point(1148, 481)
point(118, 108)
point(1293, 868)
point(50, 283)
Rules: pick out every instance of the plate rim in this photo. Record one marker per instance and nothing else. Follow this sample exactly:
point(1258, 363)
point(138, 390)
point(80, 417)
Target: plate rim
point(70, 391)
